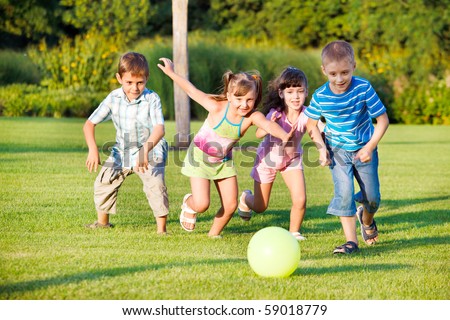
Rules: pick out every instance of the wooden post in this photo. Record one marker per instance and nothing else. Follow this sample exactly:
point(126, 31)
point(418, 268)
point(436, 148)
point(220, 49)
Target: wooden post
point(181, 64)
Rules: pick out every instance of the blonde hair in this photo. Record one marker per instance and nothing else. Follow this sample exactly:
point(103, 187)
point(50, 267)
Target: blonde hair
point(337, 51)
point(240, 84)
point(135, 63)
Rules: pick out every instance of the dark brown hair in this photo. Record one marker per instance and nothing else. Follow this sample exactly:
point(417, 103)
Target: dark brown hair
point(290, 77)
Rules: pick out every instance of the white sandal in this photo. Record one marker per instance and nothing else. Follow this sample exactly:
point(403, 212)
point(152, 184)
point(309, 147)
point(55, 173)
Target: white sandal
point(243, 210)
point(298, 236)
point(185, 209)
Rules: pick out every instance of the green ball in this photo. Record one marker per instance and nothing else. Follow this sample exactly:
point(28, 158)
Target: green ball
point(273, 252)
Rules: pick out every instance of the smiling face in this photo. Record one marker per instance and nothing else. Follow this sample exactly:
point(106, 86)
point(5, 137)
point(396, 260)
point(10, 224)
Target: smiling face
point(294, 97)
point(243, 104)
point(339, 74)
point(132, 85)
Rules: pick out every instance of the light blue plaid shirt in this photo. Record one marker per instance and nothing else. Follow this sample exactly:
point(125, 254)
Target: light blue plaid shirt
point(134, 122)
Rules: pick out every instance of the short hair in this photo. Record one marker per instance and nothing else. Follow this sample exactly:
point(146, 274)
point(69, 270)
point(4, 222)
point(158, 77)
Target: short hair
point(337, 51)
point(135, 63)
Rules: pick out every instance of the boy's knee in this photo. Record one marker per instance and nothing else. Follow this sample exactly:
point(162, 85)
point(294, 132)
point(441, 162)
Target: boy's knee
point(372, 206)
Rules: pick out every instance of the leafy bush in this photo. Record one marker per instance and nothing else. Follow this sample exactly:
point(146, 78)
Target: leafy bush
point(419, 105)
point(87, 61)
point(107, 17)
point(32, 100)
point(17, 67)
point(79, 74)
point(208, 61)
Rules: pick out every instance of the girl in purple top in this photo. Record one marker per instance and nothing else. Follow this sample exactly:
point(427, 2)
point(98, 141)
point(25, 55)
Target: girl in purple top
point(285, 106)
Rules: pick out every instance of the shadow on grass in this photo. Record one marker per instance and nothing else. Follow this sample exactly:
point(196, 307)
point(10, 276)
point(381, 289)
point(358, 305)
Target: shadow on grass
point(385, 248)
point(357, 268)
point(6, 290)
point(396, 245)
point(321, 222)
point(389, 203)
point(280, 218)
point(6, 148)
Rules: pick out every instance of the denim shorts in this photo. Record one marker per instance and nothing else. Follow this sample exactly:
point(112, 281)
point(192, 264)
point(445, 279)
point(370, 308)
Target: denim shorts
point(344, 169)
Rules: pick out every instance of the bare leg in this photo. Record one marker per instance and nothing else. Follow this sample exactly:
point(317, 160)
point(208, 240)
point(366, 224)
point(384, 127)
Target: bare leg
point(103, 218)
point(228, 192)
point(295, 182)
point(367, 220)
point(199, 201)
point(259, 201)
point(349, 227)
point(161, 225)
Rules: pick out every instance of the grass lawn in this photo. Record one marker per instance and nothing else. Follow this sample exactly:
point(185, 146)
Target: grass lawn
point(46, 253)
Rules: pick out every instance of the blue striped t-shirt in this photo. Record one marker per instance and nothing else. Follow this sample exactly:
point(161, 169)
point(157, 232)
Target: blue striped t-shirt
point(134, 122)
point(348, 115)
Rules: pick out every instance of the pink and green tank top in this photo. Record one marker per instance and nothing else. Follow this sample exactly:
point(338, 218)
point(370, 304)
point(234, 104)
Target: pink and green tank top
point(218, 142)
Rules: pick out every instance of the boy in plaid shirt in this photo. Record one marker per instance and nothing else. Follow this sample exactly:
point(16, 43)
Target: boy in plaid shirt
point(140, 147)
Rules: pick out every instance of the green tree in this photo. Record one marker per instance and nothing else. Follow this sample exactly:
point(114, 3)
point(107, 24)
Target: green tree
point(404, 44)
point(297, 23)
point(107, 17)
point(404, 38)
point(28, 21)
point(407, 43)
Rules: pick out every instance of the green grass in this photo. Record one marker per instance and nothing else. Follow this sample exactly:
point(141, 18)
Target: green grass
point(46, 253)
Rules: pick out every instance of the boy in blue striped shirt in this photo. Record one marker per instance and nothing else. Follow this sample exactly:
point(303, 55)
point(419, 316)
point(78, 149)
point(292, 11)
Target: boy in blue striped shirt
point(348, 104)
point(140, 145)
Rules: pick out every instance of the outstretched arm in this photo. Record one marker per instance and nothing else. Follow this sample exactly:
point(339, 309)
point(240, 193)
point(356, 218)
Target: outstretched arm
point(261, 133)
point(93, 159)
point(365, 153)
point(195, 94)
point(316, 137)
point(271, 127)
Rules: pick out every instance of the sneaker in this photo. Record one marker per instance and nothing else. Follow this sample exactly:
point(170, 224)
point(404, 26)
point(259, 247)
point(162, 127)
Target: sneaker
point(298, 236)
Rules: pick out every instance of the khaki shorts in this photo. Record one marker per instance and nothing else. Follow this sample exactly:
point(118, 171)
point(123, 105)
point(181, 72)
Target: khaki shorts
point(109, 180)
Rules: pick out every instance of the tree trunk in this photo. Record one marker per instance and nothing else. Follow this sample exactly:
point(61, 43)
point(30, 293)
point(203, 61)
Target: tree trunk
point(181, 64)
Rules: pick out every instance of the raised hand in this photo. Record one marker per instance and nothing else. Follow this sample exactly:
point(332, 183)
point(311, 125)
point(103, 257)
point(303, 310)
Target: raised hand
point(168, 66)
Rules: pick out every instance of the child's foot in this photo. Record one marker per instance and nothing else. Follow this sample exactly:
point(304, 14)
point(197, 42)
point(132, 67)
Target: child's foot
point(98, 225)
point(298, 236)
point(370, 232)
point(243, 210)
point(217, 236)
point(347, 248)
point(188, 217)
